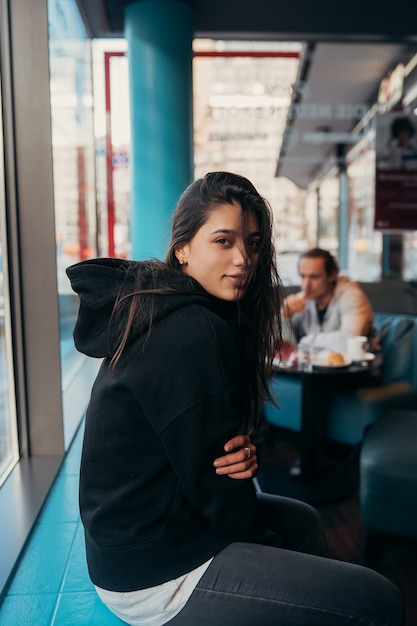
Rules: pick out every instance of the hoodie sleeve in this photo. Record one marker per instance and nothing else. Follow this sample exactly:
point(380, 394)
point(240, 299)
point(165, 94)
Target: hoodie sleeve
point(196, 409)
point(228, 505)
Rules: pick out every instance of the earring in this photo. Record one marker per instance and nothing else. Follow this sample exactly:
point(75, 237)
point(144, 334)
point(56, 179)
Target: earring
point(181, 262)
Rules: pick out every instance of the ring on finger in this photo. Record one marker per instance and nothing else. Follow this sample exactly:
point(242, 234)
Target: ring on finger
point(249, 452)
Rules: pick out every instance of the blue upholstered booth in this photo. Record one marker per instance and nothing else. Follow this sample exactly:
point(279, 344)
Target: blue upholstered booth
point(287, 393)
point(351, 413)
point(388, 474)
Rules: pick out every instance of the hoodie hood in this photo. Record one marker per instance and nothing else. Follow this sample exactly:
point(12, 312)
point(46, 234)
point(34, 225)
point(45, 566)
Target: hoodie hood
point(99, 282)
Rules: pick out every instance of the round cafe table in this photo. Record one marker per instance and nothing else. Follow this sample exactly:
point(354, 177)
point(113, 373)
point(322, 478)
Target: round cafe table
point(311, 482)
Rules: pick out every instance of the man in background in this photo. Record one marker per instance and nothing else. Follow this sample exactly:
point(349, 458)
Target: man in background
point(329, 308)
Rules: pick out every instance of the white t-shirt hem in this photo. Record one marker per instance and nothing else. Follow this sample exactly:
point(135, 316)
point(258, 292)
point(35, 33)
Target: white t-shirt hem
point(153, 606)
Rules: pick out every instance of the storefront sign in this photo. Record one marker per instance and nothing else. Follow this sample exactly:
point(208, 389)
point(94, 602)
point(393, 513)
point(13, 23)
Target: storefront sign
point(396, 172)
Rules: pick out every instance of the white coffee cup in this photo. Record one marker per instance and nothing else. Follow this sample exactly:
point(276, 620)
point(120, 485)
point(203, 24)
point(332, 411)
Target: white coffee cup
point(356, 347)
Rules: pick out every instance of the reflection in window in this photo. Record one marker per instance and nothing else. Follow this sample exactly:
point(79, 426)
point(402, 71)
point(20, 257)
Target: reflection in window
point(8, 429)
point(73, 155)
point(112, 128)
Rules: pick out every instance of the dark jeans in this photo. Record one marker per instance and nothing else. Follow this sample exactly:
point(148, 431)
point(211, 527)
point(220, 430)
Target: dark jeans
point(258, 585)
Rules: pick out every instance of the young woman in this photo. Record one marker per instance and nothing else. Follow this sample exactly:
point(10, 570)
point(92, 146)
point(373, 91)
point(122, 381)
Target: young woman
point(187, 346)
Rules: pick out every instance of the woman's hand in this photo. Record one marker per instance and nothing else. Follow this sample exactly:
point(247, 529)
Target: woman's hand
point(241, 460)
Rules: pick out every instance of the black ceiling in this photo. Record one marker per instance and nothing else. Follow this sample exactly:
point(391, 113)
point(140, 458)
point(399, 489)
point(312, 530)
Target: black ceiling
point(387, 20)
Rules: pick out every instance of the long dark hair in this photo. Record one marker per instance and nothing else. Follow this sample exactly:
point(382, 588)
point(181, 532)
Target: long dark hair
point(259, 322)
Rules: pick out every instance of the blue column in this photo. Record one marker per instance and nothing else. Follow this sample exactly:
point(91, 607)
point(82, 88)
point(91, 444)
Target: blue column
point(343, 219)
point(343, 213)
point(159, 35)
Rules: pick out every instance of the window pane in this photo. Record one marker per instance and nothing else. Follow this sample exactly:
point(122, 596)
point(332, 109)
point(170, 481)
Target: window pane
point(8, 430)
point(112, 128)
point(73, 161)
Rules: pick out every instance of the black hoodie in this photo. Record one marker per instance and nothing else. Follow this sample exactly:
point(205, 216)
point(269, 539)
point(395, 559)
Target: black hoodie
point(152, 506)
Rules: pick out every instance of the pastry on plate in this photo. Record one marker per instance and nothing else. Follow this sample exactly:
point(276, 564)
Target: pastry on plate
point(335, 358)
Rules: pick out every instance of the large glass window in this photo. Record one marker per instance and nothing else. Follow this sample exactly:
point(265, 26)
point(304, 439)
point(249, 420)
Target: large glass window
point(73, 155)
point(9, 454)
point(73, 151)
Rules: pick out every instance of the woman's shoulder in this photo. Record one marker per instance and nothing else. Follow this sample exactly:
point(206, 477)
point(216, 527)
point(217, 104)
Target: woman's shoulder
point(193, 348)
point(195, 322)
point(192, 332)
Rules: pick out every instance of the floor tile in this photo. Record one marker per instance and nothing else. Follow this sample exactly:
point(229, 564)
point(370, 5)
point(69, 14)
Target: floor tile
point(83, 609)
point(44, 563)
point(28, 610)
point(76, 575)
point(62, 504)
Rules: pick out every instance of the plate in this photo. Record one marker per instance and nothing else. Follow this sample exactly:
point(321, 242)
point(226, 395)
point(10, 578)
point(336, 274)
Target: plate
point(329, 366)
